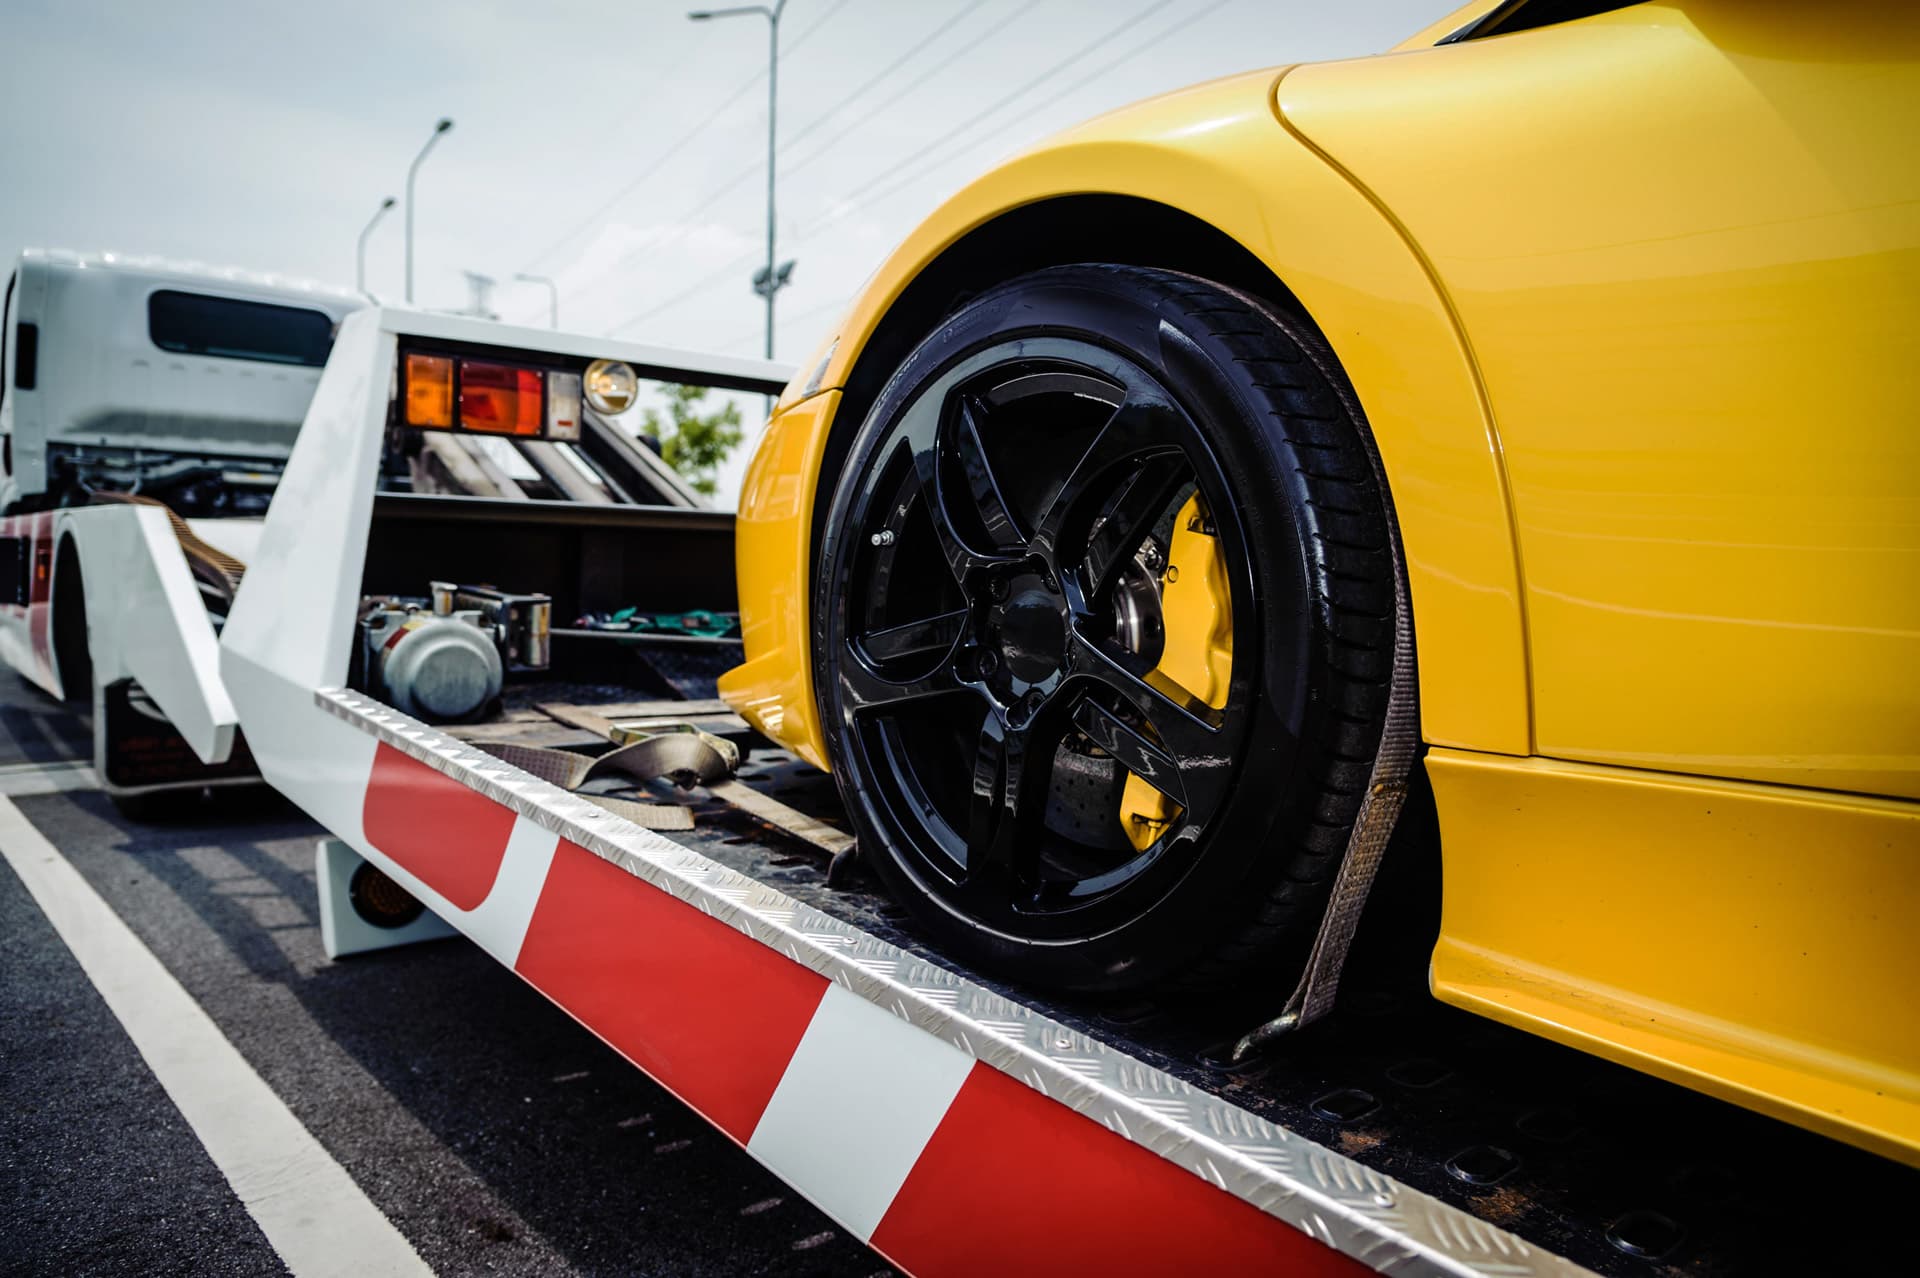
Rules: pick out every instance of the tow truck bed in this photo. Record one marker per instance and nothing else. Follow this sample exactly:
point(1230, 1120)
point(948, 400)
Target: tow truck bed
point(1414, 1136)
point(1595, 1143)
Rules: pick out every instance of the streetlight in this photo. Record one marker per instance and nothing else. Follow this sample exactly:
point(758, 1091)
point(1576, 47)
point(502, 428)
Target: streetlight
point(412, 169)
point(553, 295)
point(360, 256)
point(769, 281)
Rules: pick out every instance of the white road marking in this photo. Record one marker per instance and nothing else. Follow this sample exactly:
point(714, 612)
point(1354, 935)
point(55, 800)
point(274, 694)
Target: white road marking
point(46, 778)
point(859, 1101)
point(317, 1219)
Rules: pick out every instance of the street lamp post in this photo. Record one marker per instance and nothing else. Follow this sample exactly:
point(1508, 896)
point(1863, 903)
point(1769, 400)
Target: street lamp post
point(360, 254)
point(413, 169)
point(770, 280)
point(553, 295)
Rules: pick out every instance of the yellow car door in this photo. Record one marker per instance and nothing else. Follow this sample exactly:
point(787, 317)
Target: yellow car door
point(1682, 241)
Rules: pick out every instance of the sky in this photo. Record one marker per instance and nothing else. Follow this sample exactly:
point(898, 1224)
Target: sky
point(617, 147)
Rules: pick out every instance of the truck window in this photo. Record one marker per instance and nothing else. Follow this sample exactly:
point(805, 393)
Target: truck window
point(195, 324)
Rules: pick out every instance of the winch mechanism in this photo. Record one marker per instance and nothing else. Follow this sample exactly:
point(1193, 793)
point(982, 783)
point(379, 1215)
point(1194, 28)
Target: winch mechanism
point(445, 659)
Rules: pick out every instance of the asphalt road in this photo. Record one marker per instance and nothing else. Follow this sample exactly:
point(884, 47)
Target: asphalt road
point(497, 1135)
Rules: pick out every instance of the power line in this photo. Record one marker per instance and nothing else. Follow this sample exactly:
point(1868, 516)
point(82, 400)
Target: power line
point(908, 179)
point(1150, 42)
point(968, 124)
point(819, 22)
point(686, 139)
point(838, 303)
point(714, 195)
point(685, 293)
point(901, 181)
point(925, 76)
point(958, 17)
point(848, 205)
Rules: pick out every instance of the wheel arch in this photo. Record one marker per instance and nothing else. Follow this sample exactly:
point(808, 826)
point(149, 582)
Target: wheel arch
point(1209, 183)
point(1060, 230)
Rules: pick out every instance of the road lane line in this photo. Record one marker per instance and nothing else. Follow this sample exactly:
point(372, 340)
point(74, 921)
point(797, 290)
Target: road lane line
point(47, 778)
point(316, 1217)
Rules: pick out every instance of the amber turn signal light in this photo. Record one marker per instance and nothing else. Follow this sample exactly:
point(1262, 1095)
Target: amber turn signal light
point(430, 391)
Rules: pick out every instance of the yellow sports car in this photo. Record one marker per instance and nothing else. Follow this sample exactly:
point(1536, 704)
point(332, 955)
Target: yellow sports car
point(1537, 404)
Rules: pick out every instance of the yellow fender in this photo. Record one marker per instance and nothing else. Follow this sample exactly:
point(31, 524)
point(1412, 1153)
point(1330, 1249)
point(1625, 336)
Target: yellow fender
point(1215, 156)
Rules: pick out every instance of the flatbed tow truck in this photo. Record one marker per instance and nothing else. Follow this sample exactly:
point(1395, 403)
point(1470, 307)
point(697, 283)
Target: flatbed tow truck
point(742, 959)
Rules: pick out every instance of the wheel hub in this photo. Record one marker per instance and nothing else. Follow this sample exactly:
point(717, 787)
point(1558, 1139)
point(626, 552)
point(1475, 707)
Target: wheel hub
point(1029, 627)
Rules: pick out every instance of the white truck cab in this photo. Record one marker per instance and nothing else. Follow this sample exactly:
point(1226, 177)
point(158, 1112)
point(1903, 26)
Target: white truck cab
point(175, 380)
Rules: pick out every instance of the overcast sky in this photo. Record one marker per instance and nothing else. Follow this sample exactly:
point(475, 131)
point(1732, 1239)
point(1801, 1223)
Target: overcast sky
point(616, 146)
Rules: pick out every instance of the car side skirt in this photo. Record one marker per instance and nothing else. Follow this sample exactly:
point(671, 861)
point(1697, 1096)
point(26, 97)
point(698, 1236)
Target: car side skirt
point(1752, 941)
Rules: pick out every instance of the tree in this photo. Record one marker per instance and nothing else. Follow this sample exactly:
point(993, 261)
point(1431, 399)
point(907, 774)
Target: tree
point(692, 442)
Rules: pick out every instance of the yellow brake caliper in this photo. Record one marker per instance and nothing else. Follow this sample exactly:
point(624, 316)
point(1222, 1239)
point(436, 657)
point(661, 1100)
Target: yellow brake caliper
point(1196, 606)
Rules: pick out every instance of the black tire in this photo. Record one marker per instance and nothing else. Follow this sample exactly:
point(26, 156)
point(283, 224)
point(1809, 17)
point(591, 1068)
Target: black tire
point(1113, 388)
point(72, 648)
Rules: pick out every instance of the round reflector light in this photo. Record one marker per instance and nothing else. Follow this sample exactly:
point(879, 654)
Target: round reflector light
point(611, 386)
point(379, 900)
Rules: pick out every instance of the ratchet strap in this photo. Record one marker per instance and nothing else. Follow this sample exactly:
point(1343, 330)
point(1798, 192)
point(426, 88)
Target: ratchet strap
point(1393, 762)
point(679, 757)
point(680, 753)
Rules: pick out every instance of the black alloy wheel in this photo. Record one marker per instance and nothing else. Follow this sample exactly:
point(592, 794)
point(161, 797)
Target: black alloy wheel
point(1038, 759)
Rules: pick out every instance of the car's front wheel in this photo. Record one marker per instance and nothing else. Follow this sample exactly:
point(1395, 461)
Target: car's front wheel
point(1103, 629)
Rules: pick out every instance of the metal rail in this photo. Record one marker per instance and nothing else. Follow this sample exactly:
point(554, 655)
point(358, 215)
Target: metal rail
point(1350, 1207)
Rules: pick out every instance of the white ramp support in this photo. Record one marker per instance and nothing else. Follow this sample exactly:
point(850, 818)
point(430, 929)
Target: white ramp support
point(344, 929)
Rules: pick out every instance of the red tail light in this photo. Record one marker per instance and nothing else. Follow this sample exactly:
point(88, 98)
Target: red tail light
point(500, 400)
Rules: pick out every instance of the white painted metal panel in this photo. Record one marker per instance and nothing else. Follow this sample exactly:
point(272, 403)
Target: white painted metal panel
point(145, 620)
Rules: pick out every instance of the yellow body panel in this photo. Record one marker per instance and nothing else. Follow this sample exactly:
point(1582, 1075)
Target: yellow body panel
point(1685, 242)
point(1753, 941)
point(1440, 28)
point(1632, 305)
point(773, 544)
point(1218, 153)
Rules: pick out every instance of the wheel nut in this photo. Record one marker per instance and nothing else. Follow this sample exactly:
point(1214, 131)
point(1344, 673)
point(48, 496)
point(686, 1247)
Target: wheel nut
point(883, 538)
point(998, 589)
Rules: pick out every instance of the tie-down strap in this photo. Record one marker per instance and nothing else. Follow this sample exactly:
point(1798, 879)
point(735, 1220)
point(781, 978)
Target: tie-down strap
point(687, 758)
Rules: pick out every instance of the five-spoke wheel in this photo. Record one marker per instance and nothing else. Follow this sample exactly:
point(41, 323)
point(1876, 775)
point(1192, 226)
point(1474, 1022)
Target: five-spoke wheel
point(1050, 634)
